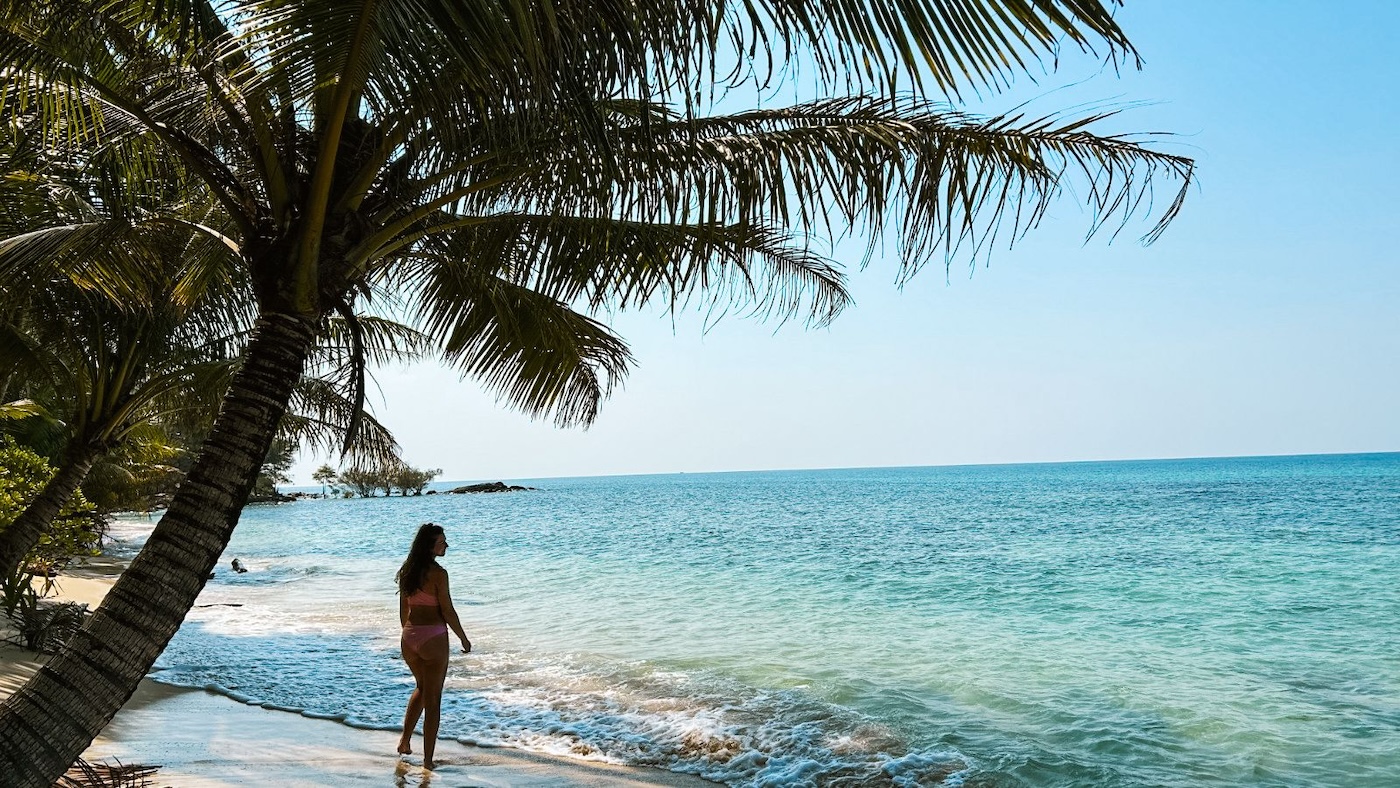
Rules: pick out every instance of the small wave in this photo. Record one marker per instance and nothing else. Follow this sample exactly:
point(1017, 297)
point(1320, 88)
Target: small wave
point(333, 716)
point(696, 723)
point(169, 677)
point(368, 725)
point(575, 706)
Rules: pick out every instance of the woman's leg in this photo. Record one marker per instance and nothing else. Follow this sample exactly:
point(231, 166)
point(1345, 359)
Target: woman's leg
point(415, 701)
point(410, 721)
point(433, 659)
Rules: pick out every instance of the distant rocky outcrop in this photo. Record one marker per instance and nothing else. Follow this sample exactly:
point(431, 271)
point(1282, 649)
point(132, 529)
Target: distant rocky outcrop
point(488, 487)
point(273, 497)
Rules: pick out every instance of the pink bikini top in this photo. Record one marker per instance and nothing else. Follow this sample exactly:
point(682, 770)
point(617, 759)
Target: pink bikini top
point(423, 597)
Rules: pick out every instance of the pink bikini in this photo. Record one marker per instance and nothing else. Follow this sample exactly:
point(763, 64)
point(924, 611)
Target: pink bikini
point(415, 635)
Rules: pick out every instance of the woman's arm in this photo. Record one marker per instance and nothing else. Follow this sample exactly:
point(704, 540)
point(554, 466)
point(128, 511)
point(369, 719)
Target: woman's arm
point(403, 610)
point(449, 613)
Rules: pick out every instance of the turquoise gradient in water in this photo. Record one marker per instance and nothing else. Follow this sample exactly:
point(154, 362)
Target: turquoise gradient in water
point(1194, 622)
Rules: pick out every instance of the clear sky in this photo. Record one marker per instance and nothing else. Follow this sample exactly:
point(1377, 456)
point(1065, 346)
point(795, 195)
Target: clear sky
point(1266, 320)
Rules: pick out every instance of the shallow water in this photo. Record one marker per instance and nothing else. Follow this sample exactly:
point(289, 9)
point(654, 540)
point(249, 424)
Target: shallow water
point(1195, 622)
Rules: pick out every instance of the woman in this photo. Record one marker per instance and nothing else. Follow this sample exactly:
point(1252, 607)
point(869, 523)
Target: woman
point(425, 611)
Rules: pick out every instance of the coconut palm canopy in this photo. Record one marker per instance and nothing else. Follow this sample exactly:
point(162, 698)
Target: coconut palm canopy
point(501, 171)
point(134, 318)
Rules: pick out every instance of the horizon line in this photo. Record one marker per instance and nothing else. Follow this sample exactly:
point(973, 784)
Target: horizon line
point(899, 467)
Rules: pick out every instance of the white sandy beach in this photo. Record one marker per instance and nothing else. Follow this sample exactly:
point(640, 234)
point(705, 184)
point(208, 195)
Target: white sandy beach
point(203, 740)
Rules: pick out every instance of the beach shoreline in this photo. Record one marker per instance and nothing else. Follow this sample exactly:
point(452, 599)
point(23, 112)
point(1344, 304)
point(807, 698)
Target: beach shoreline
point(202, 739)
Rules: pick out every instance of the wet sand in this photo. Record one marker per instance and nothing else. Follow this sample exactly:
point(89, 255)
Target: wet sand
point(203, 740)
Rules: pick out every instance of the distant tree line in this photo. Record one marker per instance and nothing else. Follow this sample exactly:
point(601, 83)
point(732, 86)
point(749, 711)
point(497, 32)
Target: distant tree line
point(367, 482)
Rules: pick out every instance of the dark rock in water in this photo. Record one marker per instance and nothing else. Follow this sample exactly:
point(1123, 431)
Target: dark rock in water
point(239, 567)
point(275, 497)
point(431, 492)
point(481, 488)
point(488, 487)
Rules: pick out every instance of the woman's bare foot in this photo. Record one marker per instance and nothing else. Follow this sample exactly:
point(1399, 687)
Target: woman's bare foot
point(428, 765)
point(405, 748)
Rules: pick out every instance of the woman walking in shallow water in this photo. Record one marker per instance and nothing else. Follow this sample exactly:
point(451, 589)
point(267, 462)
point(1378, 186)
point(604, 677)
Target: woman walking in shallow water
point(426, 612)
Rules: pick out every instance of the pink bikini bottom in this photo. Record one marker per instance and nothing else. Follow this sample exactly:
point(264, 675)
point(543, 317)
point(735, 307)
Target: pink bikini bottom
point(415, 636)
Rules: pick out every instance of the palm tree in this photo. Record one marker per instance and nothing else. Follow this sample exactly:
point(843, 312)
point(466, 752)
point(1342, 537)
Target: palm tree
point(107, 350)
point(109, 357)
point(506, 169)
point(113, 381)
point(112, 386)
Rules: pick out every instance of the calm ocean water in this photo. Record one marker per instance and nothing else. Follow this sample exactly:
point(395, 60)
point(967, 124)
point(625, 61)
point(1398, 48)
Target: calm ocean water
point(1193, 622)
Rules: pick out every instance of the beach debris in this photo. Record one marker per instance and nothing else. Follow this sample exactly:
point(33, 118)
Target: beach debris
point(35, 623)
point(103, 775)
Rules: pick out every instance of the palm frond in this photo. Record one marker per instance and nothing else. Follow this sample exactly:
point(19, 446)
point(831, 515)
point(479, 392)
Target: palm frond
point(95, 84)
point(611, 263)
point(534, 52)
point(194, 388)
point(950, 181)
point(23, 409)
point(320, 417)
point(386, 341)
point(535, 352)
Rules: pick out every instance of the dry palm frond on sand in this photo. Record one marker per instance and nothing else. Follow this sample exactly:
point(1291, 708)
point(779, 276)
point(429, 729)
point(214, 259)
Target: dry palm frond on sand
point(102, 775)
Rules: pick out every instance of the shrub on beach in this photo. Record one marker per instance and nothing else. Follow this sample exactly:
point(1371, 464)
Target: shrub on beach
point(78, 529)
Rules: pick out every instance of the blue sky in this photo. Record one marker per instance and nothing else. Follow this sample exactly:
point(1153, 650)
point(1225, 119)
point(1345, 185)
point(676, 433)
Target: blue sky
point(1264, 322)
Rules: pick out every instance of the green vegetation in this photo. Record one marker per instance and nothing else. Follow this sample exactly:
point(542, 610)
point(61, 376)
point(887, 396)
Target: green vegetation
point(325, 475)
point(485, 181)
point(76, 531)
point(274, 470)
point(116, 378)
point(406, 479)
point(38, 625)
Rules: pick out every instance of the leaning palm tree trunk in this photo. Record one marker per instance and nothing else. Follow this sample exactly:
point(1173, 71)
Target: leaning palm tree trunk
point(20, 536)
point(52, 719)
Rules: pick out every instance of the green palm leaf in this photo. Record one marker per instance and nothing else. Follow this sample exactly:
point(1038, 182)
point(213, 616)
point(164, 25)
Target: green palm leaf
point(320, 417)
point(611, 263)
point(531, 349)
point(950, 181)
point(23, 409)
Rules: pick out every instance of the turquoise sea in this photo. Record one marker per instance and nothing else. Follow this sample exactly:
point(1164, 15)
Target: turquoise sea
point(1186, 622)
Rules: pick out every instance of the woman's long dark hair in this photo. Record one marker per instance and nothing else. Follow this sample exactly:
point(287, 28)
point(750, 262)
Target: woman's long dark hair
point(414, 571)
